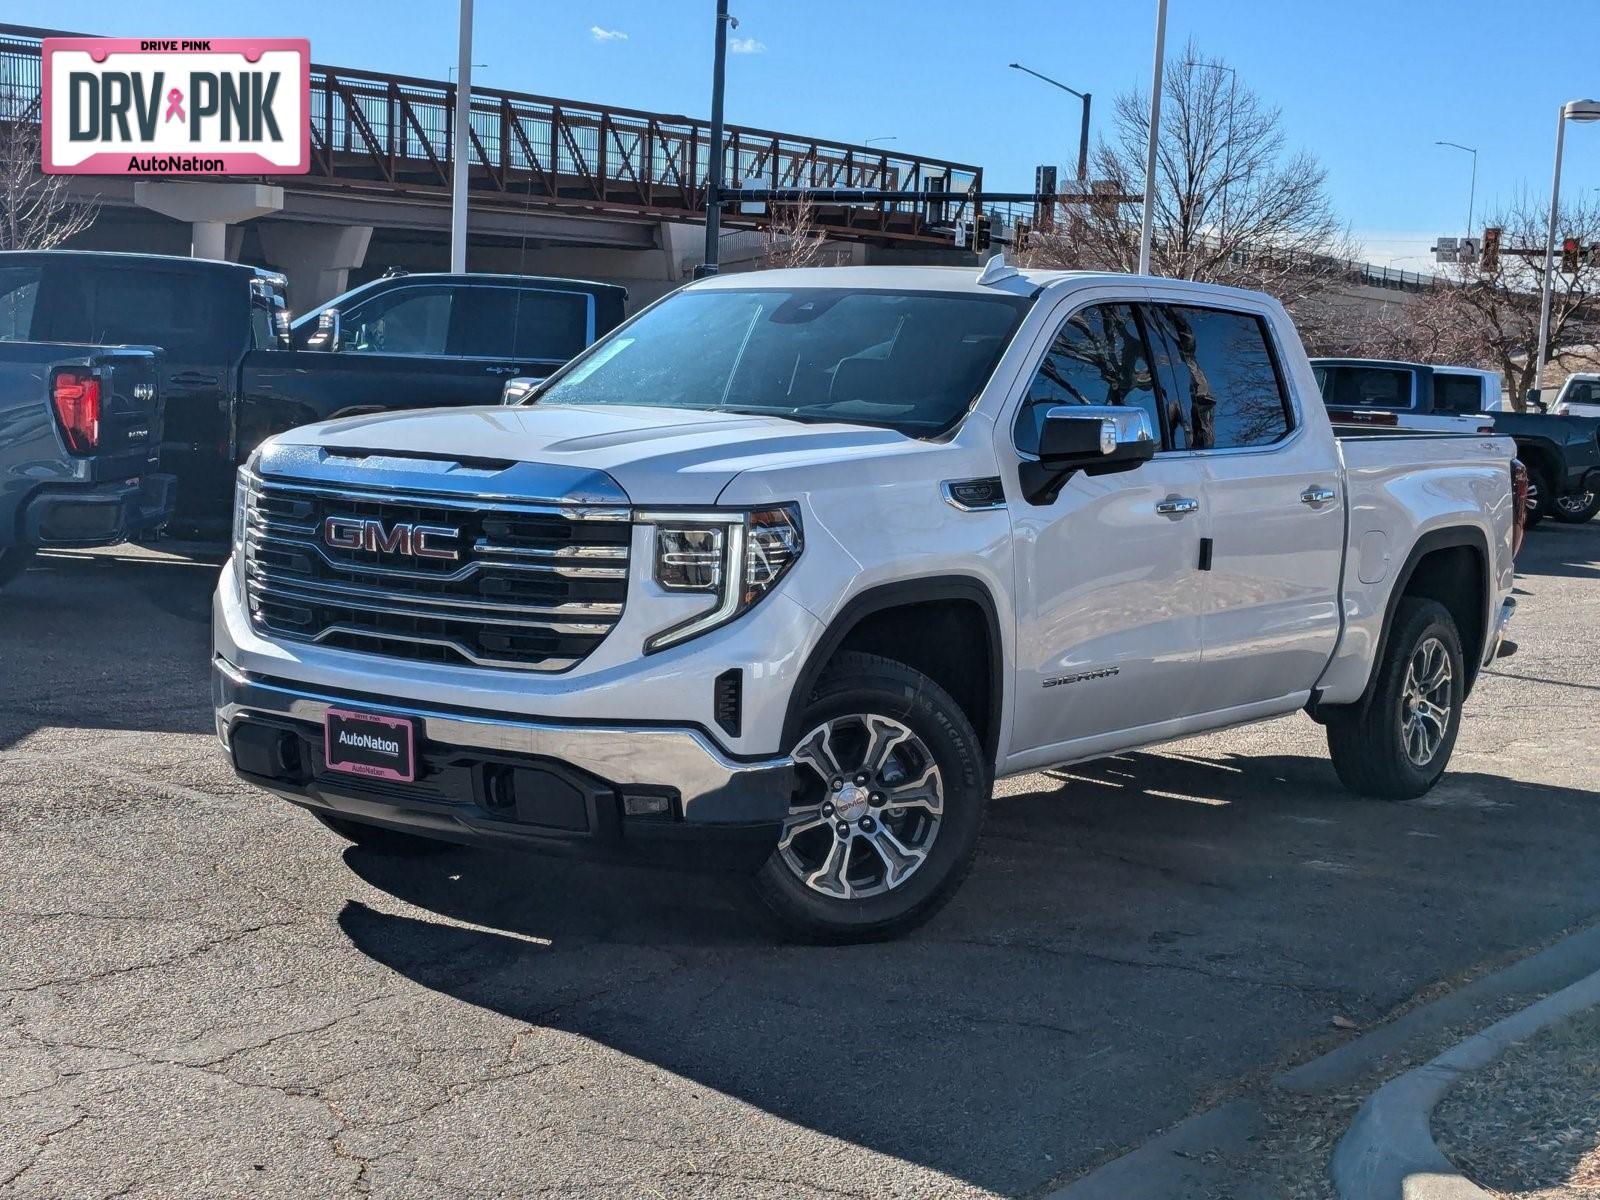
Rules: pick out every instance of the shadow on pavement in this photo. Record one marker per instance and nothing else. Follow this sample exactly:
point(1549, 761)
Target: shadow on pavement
point(1155, 924)
point(115, 639)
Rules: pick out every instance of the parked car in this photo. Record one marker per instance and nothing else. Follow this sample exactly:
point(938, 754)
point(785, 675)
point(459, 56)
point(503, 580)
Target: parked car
point(235, 371)
point(1562, 453)
point(1579, 396)
point(786, 570)
point(80, 427)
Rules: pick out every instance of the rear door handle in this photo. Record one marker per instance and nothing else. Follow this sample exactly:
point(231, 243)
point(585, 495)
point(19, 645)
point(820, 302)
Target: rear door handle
point(1317, 495)
point(1176, 506)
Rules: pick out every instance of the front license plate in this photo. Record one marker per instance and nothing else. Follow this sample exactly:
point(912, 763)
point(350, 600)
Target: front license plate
point(367, 744)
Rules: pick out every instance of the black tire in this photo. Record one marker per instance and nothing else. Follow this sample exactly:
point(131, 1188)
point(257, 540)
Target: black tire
point(14, 560)
point(1541, 495)
point(854, 688)
point(1369, 748)
point(379, 839)
point(1575, 508)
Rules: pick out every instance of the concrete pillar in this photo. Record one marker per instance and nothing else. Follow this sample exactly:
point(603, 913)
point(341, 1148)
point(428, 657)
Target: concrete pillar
point(317, 259)
point(211, 208)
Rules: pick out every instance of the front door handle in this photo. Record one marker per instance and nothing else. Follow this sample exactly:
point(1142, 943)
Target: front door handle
point(1176, 506)
point(1317, 495)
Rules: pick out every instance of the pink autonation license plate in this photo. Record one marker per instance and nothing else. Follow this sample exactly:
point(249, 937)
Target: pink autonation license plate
point(367, 744)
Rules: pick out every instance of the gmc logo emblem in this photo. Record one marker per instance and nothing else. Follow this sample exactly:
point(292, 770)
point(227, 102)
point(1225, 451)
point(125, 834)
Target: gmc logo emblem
point(367, 533)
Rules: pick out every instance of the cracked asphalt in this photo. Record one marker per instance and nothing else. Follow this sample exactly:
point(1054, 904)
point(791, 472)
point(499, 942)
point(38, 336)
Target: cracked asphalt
point(204, 993)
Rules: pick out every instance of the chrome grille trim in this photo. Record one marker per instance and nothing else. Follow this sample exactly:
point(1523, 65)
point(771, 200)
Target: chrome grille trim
point(572, 512)
point(541, 586)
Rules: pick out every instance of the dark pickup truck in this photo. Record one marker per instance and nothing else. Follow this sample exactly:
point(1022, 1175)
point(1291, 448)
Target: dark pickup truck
point(1561, 453)
point(237, 371)
point(80, 427)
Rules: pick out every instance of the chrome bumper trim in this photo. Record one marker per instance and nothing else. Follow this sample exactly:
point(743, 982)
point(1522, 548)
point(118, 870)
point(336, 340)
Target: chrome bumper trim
point(713, 788)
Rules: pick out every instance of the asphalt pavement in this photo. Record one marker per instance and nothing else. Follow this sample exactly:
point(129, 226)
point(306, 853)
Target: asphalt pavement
point(203, 992)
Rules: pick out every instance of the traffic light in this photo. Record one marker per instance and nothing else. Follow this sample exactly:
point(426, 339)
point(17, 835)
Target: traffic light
point(1569, 255)
point(1019, 235)
point(1490, 261)
point(983, 233)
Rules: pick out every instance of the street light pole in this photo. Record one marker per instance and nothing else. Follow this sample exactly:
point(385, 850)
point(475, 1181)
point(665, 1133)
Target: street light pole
point(1148, 219)
point(1083, 128)
point(1472, 190)
point(714, 168)
point(1573, 110)
point(458, 149)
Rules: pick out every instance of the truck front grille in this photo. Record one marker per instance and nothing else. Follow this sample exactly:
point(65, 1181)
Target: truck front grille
point(496, 583)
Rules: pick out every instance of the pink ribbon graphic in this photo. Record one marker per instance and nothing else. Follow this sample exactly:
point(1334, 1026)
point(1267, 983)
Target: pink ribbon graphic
point(174, 106)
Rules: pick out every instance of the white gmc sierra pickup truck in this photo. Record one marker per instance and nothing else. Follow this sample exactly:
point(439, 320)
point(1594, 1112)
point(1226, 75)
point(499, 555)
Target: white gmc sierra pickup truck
point(786, 570)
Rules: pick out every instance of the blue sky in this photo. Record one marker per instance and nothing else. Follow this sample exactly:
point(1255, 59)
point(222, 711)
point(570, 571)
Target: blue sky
point(1367, 85)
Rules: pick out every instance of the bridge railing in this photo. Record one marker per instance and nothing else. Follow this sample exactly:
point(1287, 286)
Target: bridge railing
point(372, 128)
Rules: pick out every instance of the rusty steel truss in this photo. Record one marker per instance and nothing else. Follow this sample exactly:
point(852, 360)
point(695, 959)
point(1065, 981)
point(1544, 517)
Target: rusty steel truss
point(393, 133)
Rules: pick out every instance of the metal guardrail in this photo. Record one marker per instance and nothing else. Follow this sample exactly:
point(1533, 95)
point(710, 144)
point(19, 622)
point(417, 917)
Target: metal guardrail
point(371, 130)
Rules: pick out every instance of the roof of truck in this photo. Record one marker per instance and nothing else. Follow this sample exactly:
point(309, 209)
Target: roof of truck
point(128, 258)
point(1021, 281)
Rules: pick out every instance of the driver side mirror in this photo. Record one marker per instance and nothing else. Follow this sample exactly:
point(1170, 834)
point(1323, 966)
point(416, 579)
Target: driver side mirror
point(328, 334)
point(1093, 438)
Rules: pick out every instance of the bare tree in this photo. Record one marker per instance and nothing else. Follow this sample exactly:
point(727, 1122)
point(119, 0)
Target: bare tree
point(1232, 203)
point(794, 240)
point(36, 210)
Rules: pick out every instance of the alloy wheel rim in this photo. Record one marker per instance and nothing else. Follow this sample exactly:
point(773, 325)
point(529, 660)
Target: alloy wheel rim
point(869, 806)
point(1425, 702)
point(1575, 502)
point(1531, 503)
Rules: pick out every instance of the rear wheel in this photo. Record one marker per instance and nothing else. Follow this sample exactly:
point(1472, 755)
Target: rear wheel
point(1399, 746)
point(1576, 507)
point(379, 839)
point(14, 560)
point(890, 797)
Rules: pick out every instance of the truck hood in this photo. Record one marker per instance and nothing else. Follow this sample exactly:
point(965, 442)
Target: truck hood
point(657, 455)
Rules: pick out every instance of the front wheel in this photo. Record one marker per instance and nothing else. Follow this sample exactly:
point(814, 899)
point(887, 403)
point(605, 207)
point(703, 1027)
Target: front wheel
point(1398, 747)
point(890, 796)
point(1576, 507)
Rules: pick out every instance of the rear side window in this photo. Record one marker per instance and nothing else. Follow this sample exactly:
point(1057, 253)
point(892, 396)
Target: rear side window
point(551, 326)
point(1226, 391)
point(1457, 393)
point(520, 323)
point(1098, 357)
point(1366, 387)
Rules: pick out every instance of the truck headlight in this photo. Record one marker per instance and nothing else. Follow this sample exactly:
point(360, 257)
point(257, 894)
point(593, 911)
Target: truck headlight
point(736, 556)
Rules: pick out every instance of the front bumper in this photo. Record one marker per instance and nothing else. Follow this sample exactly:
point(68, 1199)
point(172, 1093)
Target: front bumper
point(99, 515)
point(718, 811)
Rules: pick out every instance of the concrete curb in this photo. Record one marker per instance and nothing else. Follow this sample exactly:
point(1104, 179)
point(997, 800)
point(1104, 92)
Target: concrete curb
point(1389, 1152)
point(1179, 1161)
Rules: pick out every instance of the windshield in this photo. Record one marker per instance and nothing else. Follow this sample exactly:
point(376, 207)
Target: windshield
point(910, 361)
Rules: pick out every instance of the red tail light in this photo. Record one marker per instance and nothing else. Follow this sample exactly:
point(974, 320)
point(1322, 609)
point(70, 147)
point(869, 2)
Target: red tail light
point(76, 396)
